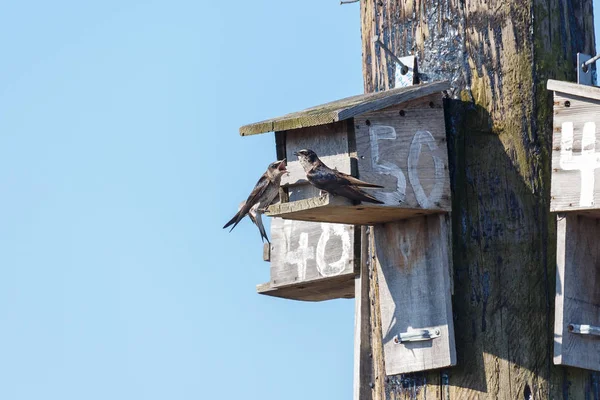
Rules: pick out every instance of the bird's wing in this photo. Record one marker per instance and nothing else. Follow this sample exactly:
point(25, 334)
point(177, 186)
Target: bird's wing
point(324, 177)
point(354, 181)
point(354, 193)
point(253, 198)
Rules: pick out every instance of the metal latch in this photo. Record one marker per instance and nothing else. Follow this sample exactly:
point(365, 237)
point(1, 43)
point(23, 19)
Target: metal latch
point(417, 335)
point(584, 329)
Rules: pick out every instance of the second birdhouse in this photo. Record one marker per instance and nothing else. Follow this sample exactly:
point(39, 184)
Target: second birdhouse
point(575, 148)
point(395, 139)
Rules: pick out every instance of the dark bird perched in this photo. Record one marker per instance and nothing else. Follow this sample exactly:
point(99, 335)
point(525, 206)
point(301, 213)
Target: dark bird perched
point(264, 193)
point(332, 181)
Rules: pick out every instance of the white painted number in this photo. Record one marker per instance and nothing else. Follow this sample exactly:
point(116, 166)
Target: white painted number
point(337, 267)
point(303, 252)
point(383, 132)
point(421, 138)
point(586, 163)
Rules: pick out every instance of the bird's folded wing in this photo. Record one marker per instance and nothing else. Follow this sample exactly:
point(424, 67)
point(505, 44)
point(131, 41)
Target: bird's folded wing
point(350, 180)
point(257, 192)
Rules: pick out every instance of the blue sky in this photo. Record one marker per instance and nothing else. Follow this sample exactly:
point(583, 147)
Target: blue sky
point(120, 160)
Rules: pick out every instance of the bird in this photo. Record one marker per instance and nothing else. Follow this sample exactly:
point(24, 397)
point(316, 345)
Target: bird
point(264, 193)
point(332, 181)
point(256, 219)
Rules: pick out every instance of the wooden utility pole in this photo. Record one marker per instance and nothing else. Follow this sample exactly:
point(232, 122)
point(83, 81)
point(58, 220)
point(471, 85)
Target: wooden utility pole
point(498, 56)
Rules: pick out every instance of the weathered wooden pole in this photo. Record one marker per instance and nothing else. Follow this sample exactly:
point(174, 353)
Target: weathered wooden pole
point(498, 56)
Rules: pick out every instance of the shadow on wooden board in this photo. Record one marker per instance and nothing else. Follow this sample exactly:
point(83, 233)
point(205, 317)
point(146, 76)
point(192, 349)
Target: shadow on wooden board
point(500, 247)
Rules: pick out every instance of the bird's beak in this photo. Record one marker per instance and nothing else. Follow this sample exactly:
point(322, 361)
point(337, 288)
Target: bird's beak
point(296, 154)
point(281, 165)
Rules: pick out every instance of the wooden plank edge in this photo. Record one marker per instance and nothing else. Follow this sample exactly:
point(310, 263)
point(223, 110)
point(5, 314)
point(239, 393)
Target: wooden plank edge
point(575, 89)
point(312, 291)
point(332, 112)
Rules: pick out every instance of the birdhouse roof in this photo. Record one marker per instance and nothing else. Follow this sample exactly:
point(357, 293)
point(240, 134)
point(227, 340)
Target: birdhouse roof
point(343, 109)
point(590, 92)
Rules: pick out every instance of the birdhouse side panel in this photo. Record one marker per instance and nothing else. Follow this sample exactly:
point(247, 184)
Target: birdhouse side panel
point(304, 252)
point(575, 154)
point(415, 294)
point(403, 148)
point(330, 142)
point(577, 303)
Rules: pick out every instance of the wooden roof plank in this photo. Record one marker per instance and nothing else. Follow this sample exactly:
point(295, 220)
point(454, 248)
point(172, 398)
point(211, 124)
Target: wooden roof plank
point(343, 109)
point(590, 92)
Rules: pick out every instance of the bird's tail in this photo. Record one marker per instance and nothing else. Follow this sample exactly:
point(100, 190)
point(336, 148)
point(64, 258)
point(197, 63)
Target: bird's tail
point(261, 228)
point(235, 220)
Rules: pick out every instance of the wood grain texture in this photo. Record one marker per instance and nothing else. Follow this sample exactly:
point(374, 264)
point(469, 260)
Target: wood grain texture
point(363, 368)
point(574, 89)
point(404, 149)
point(497, 56)
point(414, 292)
point(266, 252)
point(330, 142)
point(339, 210)
point(342, 109)
point(312, 254)
point(340, 287)
point(575, 154)
point(577, 290)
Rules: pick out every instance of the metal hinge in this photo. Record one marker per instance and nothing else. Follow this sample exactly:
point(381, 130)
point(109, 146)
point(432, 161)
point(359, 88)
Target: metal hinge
point(417, 335)
point(584, 329)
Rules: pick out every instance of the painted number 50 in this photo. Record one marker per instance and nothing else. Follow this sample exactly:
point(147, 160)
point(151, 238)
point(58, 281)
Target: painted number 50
point(378, 133)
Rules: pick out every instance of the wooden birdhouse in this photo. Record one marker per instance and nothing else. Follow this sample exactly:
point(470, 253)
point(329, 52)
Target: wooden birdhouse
point(395, 139)
point(575, 148)
point(576, 197)
point(311, 261)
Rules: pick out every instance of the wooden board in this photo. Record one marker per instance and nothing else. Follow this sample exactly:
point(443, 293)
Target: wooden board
point(577, 291)
point(330, 142)
point(403, 148)
point(310, 258)
point(343, 109)
point(414, 292)
point(574, 89)
point(363, 360)
point(339, 287)
point(575, 154)
point(339, 210)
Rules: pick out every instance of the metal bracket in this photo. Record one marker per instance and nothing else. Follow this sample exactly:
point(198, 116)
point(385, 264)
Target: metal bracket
point(406, 71)
point(411, 76)
point(584, 329)
point(417, 335)
point(584, 72)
